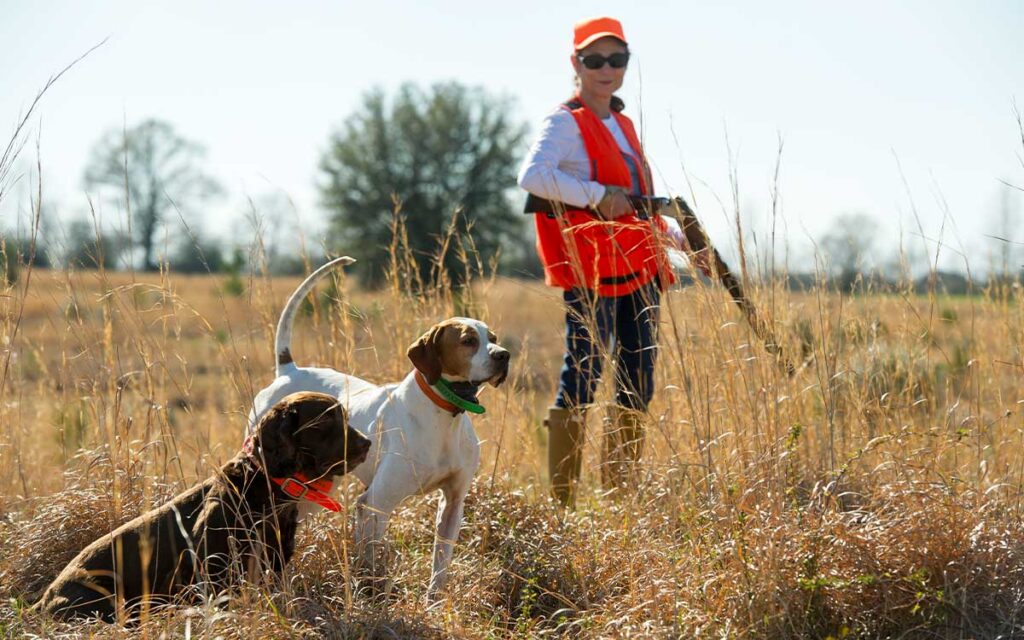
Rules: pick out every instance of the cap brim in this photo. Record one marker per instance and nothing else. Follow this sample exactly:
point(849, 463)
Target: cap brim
point(597, 36)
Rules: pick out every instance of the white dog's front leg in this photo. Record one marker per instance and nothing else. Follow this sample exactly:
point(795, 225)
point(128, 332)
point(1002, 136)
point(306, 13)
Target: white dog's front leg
point(373, 510)
point(371, 523)
point(449, 520)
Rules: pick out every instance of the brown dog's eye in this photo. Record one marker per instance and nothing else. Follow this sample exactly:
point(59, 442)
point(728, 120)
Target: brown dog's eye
point(469, 341)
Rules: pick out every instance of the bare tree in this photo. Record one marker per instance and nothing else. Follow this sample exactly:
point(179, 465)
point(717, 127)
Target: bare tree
point(845, 245)
point(269, 215)
point(1006, 226)
point(157, 169)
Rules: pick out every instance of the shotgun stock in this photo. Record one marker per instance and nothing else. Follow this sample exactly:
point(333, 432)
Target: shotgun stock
point(697, 241)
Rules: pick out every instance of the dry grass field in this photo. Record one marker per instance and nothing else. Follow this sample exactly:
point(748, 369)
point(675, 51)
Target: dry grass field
point(875, 493)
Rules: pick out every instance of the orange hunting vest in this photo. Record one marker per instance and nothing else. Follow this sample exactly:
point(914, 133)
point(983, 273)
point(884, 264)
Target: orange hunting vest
point(580, 249)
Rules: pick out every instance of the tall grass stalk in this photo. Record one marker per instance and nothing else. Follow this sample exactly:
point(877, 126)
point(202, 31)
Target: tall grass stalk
point(875, 493)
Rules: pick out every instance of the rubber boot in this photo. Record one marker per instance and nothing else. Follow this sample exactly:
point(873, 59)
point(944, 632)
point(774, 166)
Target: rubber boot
point(565, 452)
point(623, 446)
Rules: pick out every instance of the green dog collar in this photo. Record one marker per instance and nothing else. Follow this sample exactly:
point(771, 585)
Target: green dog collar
point(445, 391)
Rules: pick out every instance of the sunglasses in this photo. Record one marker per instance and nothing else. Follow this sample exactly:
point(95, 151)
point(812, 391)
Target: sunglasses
point(595, 60)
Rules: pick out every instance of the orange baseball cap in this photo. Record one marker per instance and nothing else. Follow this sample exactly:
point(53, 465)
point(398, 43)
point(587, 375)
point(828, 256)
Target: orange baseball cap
point(591, 29)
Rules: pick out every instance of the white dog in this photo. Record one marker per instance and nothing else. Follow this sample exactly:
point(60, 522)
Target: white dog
point(421, 437)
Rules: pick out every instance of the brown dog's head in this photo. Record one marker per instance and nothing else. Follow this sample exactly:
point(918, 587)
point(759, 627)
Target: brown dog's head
point(308, 433)
point(462, 348)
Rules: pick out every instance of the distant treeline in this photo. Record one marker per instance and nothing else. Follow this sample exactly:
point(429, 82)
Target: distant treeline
point(946, 282)
point(942, 282)
point(82, 247)
point(203, 256)
point(438, 161)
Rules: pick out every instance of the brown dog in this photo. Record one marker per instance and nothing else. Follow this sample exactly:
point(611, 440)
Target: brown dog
point(245, 516)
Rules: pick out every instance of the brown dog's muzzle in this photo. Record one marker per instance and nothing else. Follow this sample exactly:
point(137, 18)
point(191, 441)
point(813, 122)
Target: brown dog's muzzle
point(358, 448)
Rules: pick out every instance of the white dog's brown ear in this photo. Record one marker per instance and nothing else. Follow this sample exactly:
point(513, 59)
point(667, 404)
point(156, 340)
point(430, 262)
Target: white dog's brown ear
point(426, 356)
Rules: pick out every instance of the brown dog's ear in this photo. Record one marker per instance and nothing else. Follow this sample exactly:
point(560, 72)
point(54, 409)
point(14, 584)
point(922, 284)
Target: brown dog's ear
point(426, 356)
point(276, 439)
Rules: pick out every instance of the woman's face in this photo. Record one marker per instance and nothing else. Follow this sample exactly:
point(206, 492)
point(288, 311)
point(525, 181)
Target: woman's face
point(603, 82)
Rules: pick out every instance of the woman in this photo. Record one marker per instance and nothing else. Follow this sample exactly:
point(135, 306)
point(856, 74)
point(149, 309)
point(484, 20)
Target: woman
point(608, 261)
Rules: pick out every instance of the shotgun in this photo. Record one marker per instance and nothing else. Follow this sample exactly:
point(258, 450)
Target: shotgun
point(697, 242)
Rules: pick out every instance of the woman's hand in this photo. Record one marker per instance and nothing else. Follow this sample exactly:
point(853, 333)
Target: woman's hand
point(614, 204)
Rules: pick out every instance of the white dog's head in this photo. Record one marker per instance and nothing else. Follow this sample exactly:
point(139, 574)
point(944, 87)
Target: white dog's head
point(460, 349)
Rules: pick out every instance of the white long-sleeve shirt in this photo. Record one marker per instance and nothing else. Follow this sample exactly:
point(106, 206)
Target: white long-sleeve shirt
point(557, 166)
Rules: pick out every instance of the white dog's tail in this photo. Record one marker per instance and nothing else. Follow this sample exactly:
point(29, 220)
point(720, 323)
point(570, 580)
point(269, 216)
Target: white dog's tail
point(283, 341)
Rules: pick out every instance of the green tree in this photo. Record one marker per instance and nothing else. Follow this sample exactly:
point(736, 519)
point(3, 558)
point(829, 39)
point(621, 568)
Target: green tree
point(440, 150)
point(196, 253)
point(159, 169)
point(14, 254)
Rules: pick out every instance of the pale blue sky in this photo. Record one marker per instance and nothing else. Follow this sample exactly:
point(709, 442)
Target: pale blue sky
point(849, 86)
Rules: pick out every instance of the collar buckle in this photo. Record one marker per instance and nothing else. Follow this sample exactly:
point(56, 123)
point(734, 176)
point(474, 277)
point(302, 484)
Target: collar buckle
point(298, 493)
